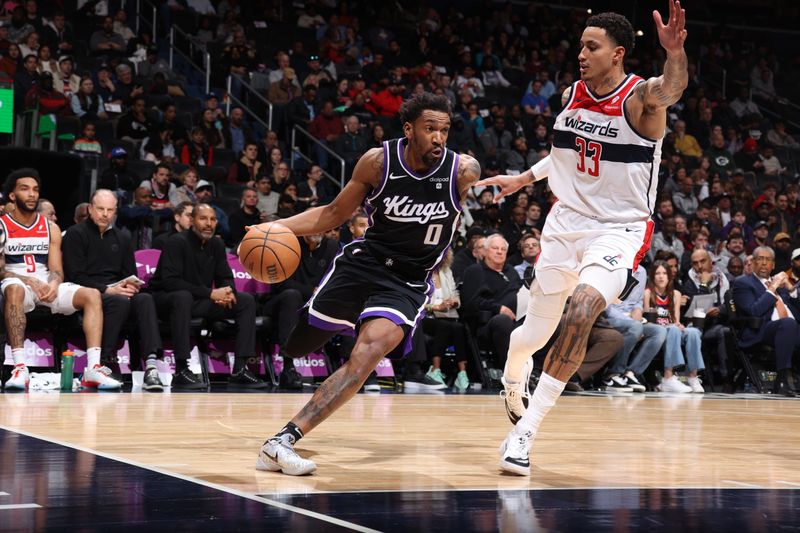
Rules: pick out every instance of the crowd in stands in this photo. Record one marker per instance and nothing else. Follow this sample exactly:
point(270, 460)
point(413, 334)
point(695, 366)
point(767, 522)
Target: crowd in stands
point(727, 186)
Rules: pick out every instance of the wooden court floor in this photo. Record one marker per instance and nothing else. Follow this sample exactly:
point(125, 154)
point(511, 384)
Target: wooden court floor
point(395, 442)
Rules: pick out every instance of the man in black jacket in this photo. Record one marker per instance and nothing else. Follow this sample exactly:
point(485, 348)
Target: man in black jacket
point(98, 255)
point(191, 263)
point(489, 296)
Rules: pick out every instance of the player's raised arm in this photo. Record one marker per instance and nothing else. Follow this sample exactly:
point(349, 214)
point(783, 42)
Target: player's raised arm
point(366, 176)
point(667, 89)
point(511, 184)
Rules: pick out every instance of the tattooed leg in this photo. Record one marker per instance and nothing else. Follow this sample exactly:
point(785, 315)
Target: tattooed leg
point(376, 338)
point(15, 316)
point(568, 352)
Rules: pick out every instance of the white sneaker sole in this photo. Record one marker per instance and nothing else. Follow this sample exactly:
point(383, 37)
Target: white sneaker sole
point(266, 464)
point(507, 466)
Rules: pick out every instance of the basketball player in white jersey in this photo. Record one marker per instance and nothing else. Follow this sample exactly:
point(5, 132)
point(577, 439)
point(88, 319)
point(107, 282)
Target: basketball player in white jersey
point(603, 168)
point(31, 273)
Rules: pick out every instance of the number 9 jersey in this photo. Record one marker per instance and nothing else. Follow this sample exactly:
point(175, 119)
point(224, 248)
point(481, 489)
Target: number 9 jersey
point(600, 166)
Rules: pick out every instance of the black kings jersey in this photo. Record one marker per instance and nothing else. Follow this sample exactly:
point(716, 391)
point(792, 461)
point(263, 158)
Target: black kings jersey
point(412, 218)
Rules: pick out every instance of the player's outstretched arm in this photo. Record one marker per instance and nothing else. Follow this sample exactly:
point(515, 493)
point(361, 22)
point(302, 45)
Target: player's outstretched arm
point(511, 184)
point(469, 172)
point(667, 89)
point(366, 176)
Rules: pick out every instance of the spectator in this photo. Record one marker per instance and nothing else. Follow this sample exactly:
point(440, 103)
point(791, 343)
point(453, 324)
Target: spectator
point(134, 125)
point(164, 193)
point(470, 254)
point(117, 177)
point(99, 256)
point(182, 215)
point(58, 34)
point(520, 158)
point(685, 200)
point(489, 297)
point(105, 85)
point(267, 198)
point(666, 240)
point(760, 237)
point(87, 143)
point(169, 119)
point(277, 74)
point(302, 109)
point(529, 248)
point(191, 263)
point(706, 278)
point(197, 153)
point(126, 88)
point(87, 104)
point(721, 159)
point(779, 138)
point(628, 367)
point(247, 215)
point(742, 105)
point(496, 140)
point(47, 210)
point(773, 301)
point(20, 28)
point(46, 99)
point(106, 42)
point(475, 119)
point(748, 157)
point(533, 103)
point(782, 247)
point(491, 74)
point(212, 128)
point(37, 279)
point(280, 177)
point(386, 103)
point(247, 170)
point(467, 80)
point(738, 221)
point(158, 147)
point(30, 46)
point(326, 128)
point(237, 133)
point(285, 89)
point(661, 297)
point(10, 61)
point(350, 145)
point(312, 192)
point(734, 247)
point(793, 272)
point(205, 192)
point(188, 182)
point(770, 164)
point(685, 143)
point(442, 325)
point(46, 61)
point(24, 80)
point(515, 227)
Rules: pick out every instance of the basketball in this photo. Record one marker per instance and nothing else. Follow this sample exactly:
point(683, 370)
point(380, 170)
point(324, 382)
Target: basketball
point(270, 254)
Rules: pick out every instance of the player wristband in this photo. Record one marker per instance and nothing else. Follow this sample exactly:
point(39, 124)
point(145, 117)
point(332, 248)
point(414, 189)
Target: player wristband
point(541, 169)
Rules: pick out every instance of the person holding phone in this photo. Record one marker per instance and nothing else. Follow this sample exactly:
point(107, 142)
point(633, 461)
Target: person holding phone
point(98, 255)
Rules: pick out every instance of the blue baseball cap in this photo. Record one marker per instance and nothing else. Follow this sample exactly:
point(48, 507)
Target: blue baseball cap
point(119, 152)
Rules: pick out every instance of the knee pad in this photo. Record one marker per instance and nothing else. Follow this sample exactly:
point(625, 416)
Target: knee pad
point(610, 283)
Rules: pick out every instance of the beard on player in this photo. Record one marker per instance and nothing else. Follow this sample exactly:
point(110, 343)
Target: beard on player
point(26, 206)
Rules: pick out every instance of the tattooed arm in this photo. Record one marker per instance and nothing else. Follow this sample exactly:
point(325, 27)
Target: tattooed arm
point(468, 173)
point(647, 108)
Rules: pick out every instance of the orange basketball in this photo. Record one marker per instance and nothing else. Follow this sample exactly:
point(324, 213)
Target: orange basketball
point(270, 253)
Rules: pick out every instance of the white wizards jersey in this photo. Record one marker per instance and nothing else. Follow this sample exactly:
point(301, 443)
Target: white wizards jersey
point(26, 247)
point(600, 166)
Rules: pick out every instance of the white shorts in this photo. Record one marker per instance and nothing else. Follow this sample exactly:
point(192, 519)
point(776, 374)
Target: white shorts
point(62, 305)
point(571, 241)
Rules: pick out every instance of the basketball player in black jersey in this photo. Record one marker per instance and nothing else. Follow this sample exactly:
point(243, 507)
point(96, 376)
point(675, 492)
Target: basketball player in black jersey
point(377, 287)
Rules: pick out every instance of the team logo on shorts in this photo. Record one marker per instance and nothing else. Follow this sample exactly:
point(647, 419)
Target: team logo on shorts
point(612, 259)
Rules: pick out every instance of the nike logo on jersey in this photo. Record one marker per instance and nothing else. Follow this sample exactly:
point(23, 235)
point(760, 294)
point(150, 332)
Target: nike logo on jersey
point(397, 177)
point(416, 285)
point(403, 209)
point(629, 230)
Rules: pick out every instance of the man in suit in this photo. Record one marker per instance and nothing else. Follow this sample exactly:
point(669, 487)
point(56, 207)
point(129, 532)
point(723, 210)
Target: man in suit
point(774, 300)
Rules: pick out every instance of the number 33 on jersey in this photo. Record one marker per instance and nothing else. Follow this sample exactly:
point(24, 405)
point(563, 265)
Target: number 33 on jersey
point(601, 167)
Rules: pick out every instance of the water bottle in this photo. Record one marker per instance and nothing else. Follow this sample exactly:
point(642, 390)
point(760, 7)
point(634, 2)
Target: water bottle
point(67, 364)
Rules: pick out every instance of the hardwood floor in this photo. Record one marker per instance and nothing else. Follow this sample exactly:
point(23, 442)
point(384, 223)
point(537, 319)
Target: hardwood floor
point(395, 442)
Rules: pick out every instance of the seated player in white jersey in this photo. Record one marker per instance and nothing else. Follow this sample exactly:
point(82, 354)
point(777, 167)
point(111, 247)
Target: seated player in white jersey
point(378, 285)
point(603, 168)
point(31, 273)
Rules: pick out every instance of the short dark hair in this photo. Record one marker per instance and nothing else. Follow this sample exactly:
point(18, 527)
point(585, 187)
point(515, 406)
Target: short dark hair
point(617, 27)
point(414, 106)
point(16, 175)
point(162, 165)
point(182, 207)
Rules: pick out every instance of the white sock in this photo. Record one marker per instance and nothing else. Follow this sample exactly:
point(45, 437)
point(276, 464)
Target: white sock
point(92, 357)
point(543, 399)
point(18, 354)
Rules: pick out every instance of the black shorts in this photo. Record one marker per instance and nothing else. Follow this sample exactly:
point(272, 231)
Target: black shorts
point(360, 286)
